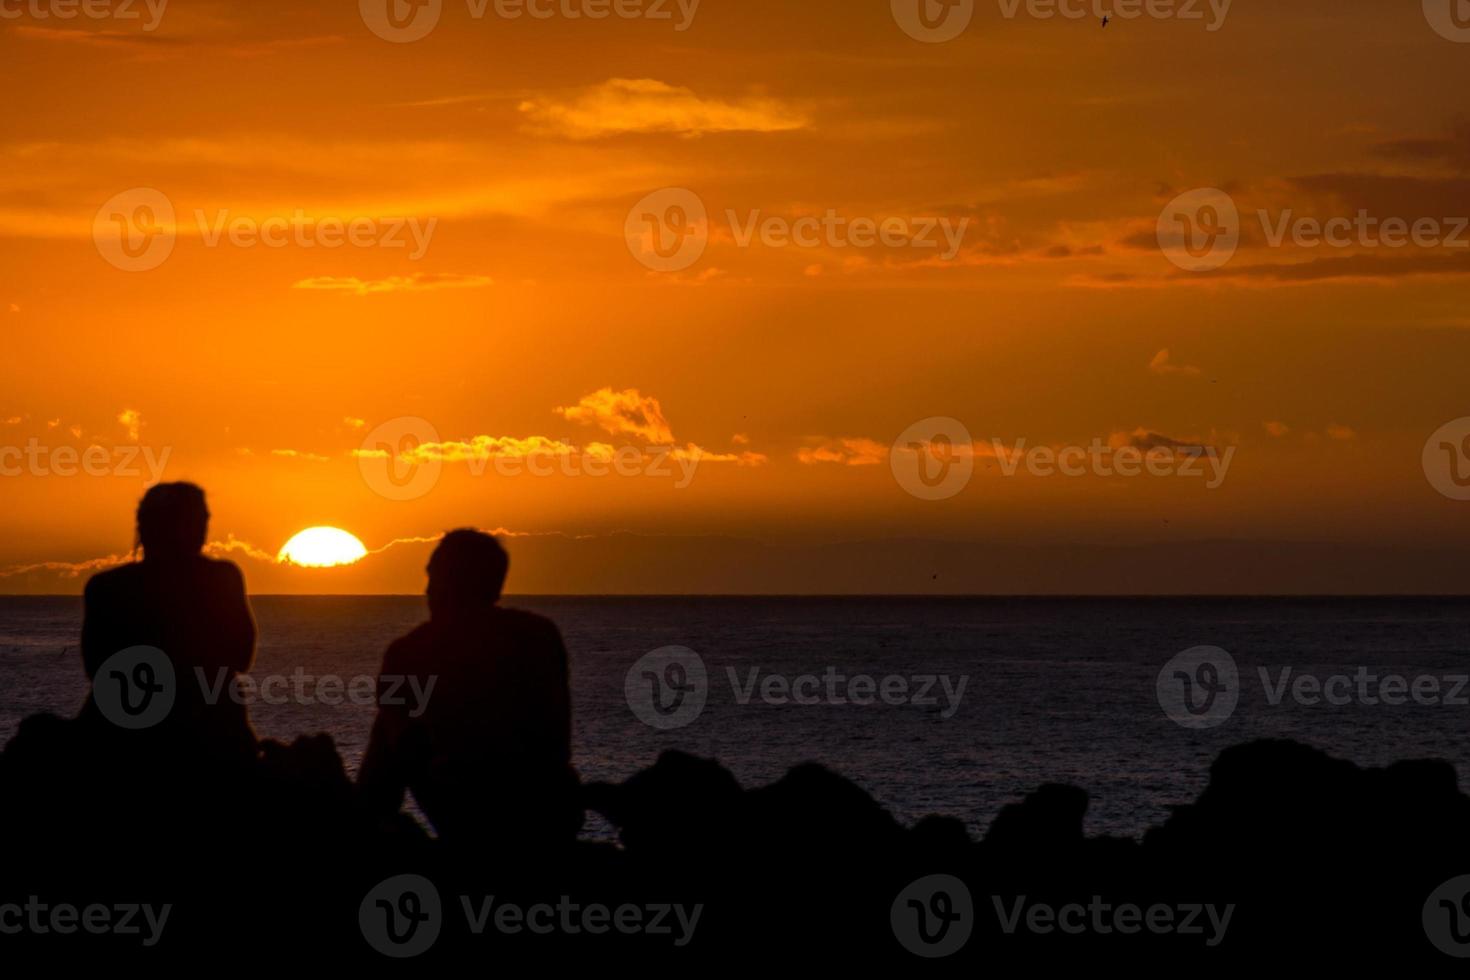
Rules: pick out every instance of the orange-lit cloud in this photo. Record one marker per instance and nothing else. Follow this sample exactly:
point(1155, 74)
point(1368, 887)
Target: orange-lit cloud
point(132, 421)
point(627, 412)
point(415, 283)
point(298, 454)
point(645, 105)
point(1163, 364)
point(489, 447)
point(846, 452)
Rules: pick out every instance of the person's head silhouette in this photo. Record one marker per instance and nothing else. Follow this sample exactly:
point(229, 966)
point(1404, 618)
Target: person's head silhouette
point(172, 521)
point(466, 572)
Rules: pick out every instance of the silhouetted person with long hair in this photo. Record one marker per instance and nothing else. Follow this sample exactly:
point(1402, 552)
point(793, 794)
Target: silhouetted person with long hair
point(487, 755)
point(194, 610)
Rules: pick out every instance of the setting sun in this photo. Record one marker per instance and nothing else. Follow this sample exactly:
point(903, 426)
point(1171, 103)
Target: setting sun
point(322, 547)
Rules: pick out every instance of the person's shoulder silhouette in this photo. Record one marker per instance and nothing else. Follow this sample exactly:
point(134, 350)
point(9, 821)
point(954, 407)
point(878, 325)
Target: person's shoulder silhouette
point(190, 608)
point(474, 713)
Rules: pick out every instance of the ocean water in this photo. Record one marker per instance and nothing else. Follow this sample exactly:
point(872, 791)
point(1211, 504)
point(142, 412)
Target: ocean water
point(1056, 690)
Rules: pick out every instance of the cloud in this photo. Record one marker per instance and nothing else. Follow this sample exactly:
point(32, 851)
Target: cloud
point(98, 38)
point(484, 448)
point(160, 44)
point(844, 452)
point(1341, 433)
point(1359, 267)
point(644, 105)
point(1061, 250)
point(52, 188)
point(1277, 429)
point(298, 454)
point(695, 454)
point(1161, 364)
point(1453, 148)
point(419, 282)
point(67, 569)
point(132, 420)
point(626, 412)
point(1148, 441)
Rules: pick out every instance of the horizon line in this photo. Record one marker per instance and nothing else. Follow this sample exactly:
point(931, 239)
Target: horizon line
point(831, 595)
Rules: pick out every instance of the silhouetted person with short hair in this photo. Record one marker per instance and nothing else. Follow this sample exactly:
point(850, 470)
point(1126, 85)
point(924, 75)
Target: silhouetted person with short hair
point(488, 754)
point(190, 607)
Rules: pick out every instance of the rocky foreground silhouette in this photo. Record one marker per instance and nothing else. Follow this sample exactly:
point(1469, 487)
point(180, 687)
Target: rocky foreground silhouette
point(1288, 855)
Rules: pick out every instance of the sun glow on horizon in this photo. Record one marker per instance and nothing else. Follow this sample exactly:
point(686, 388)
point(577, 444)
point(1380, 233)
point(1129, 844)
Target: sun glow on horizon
point(322, 547)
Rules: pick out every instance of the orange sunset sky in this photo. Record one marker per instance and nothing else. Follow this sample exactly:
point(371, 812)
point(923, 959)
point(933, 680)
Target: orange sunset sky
point(521, 326)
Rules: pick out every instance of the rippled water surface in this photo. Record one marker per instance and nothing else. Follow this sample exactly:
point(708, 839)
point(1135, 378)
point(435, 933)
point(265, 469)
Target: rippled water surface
point(1056, 690)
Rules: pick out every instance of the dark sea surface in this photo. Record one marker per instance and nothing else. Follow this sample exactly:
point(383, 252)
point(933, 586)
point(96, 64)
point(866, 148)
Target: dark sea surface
point(1057, 690)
